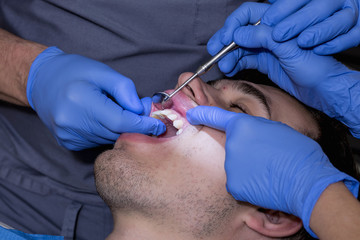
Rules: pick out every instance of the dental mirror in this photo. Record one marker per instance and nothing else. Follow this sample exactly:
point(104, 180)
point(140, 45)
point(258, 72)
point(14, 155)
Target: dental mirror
point(163, 98)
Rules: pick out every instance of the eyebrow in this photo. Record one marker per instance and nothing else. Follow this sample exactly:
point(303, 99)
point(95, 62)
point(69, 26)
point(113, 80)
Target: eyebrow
point(249, 89)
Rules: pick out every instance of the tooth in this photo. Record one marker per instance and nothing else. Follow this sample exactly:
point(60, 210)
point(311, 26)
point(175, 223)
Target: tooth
point(179, 131)
point(166, 111)
point(178, 124)
point(172, 117)
point(157, 114)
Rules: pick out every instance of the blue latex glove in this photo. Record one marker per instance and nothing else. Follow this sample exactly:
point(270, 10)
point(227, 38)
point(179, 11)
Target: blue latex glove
point(318, 81)
point(329, 26)
point(271, 165)
point(71, 95)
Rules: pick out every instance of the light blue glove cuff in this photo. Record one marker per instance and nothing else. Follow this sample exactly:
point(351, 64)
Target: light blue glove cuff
point(39, 60)
point(11, 234)
point(319, 187)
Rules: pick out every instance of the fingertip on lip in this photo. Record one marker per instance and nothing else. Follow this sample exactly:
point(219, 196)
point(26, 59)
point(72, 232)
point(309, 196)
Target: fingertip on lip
point(161, 129)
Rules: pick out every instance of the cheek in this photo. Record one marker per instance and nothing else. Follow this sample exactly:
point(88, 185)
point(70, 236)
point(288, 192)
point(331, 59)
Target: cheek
point(208, 156)
point(216, 98)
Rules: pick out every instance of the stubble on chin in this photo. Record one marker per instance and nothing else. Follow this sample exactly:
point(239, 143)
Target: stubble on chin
point(126, 183)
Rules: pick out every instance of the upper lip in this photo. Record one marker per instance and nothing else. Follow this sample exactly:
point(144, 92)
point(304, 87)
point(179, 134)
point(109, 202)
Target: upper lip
point(181, 103)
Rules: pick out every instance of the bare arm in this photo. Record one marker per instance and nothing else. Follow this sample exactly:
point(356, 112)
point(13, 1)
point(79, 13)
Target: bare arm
point(16, 56)
point(336, 214)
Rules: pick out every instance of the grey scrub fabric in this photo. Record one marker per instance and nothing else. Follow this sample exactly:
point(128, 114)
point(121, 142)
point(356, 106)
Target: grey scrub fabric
point(45, 188)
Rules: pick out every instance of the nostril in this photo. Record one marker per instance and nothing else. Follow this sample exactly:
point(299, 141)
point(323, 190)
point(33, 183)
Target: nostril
point(190, 89)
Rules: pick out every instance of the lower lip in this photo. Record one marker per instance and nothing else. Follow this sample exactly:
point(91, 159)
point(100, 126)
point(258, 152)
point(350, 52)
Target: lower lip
point(141, 138)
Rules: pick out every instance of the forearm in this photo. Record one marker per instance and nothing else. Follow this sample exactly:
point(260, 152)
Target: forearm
point(336, 214)
point(15, 61)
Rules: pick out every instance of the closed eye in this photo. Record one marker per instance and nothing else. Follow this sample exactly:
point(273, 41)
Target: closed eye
point(236, 106)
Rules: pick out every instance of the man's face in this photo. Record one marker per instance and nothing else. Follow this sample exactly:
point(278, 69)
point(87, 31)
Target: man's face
point(179, 179)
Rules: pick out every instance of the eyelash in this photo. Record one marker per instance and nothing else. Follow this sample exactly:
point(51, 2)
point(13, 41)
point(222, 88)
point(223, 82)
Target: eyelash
point(233, 105)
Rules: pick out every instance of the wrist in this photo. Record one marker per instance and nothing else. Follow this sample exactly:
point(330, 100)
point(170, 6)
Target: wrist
point(336, 214)
point(31, 51)
point(319, 188)
point(18, 55)
point(46, 55)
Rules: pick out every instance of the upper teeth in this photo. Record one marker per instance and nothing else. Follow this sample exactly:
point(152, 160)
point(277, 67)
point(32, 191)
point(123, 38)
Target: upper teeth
point(177, 123)
point(172, 117)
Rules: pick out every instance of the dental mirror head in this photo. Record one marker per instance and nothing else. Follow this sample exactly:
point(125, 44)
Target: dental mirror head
point(162, 98)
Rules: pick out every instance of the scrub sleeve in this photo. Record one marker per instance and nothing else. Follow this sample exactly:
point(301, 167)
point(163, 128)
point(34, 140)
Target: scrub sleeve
point(45, 188)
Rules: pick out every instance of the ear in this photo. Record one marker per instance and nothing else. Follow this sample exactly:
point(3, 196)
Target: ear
point(273, 223)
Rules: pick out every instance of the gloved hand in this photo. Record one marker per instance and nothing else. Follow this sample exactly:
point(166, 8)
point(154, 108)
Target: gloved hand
point(269, 164)
point(85, 103)
point(319, 81)
point(328, 26)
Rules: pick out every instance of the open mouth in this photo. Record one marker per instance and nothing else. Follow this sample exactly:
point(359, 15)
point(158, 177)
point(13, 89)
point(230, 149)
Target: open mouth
point(174, 116)
point(174, 122)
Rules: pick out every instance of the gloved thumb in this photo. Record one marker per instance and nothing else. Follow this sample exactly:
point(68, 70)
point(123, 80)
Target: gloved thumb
point(210, 116)
point(146, 102)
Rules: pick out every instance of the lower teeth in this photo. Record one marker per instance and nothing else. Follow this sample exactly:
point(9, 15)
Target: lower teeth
point(179, 131)
point(178, 124)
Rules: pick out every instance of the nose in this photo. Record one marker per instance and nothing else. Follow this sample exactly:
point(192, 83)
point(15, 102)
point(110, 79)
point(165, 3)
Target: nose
point(197, 88)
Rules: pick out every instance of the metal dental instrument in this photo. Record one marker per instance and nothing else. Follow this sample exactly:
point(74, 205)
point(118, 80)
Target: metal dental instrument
point(164, 97)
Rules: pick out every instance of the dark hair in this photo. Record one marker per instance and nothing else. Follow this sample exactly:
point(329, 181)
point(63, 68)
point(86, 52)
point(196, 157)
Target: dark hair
point(332, 139)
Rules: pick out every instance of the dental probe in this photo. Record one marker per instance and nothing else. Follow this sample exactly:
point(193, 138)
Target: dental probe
point(201, 70)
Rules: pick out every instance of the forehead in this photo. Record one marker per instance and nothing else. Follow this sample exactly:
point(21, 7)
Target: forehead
point(283, 107)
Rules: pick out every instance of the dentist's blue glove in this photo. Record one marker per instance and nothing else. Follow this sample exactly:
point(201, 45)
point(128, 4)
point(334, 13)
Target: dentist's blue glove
point(319, 81)
point(271, 165)
point(328, 26)
point(85, 103)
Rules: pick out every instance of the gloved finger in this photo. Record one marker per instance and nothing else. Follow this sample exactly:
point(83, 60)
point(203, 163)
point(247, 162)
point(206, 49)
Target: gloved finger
point(82, 144)
point(281, 9)
point(81, 141)
point(214, 44)
point(118, 120)
point(235, 70)
point(268, 64)
point(247, 13)
point(134, 123)
point(147, 102)
point(210, 116)
point(249, 62)
point(228, 62)
point(341, 22)
point(235, 64)
point(243, 64)
point(303, 18)
point(87, 129)
point(341, 43)
point(255, 37)
point(122, 89)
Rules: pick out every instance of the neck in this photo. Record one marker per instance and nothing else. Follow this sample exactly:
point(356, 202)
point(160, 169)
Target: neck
point(134, 226)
